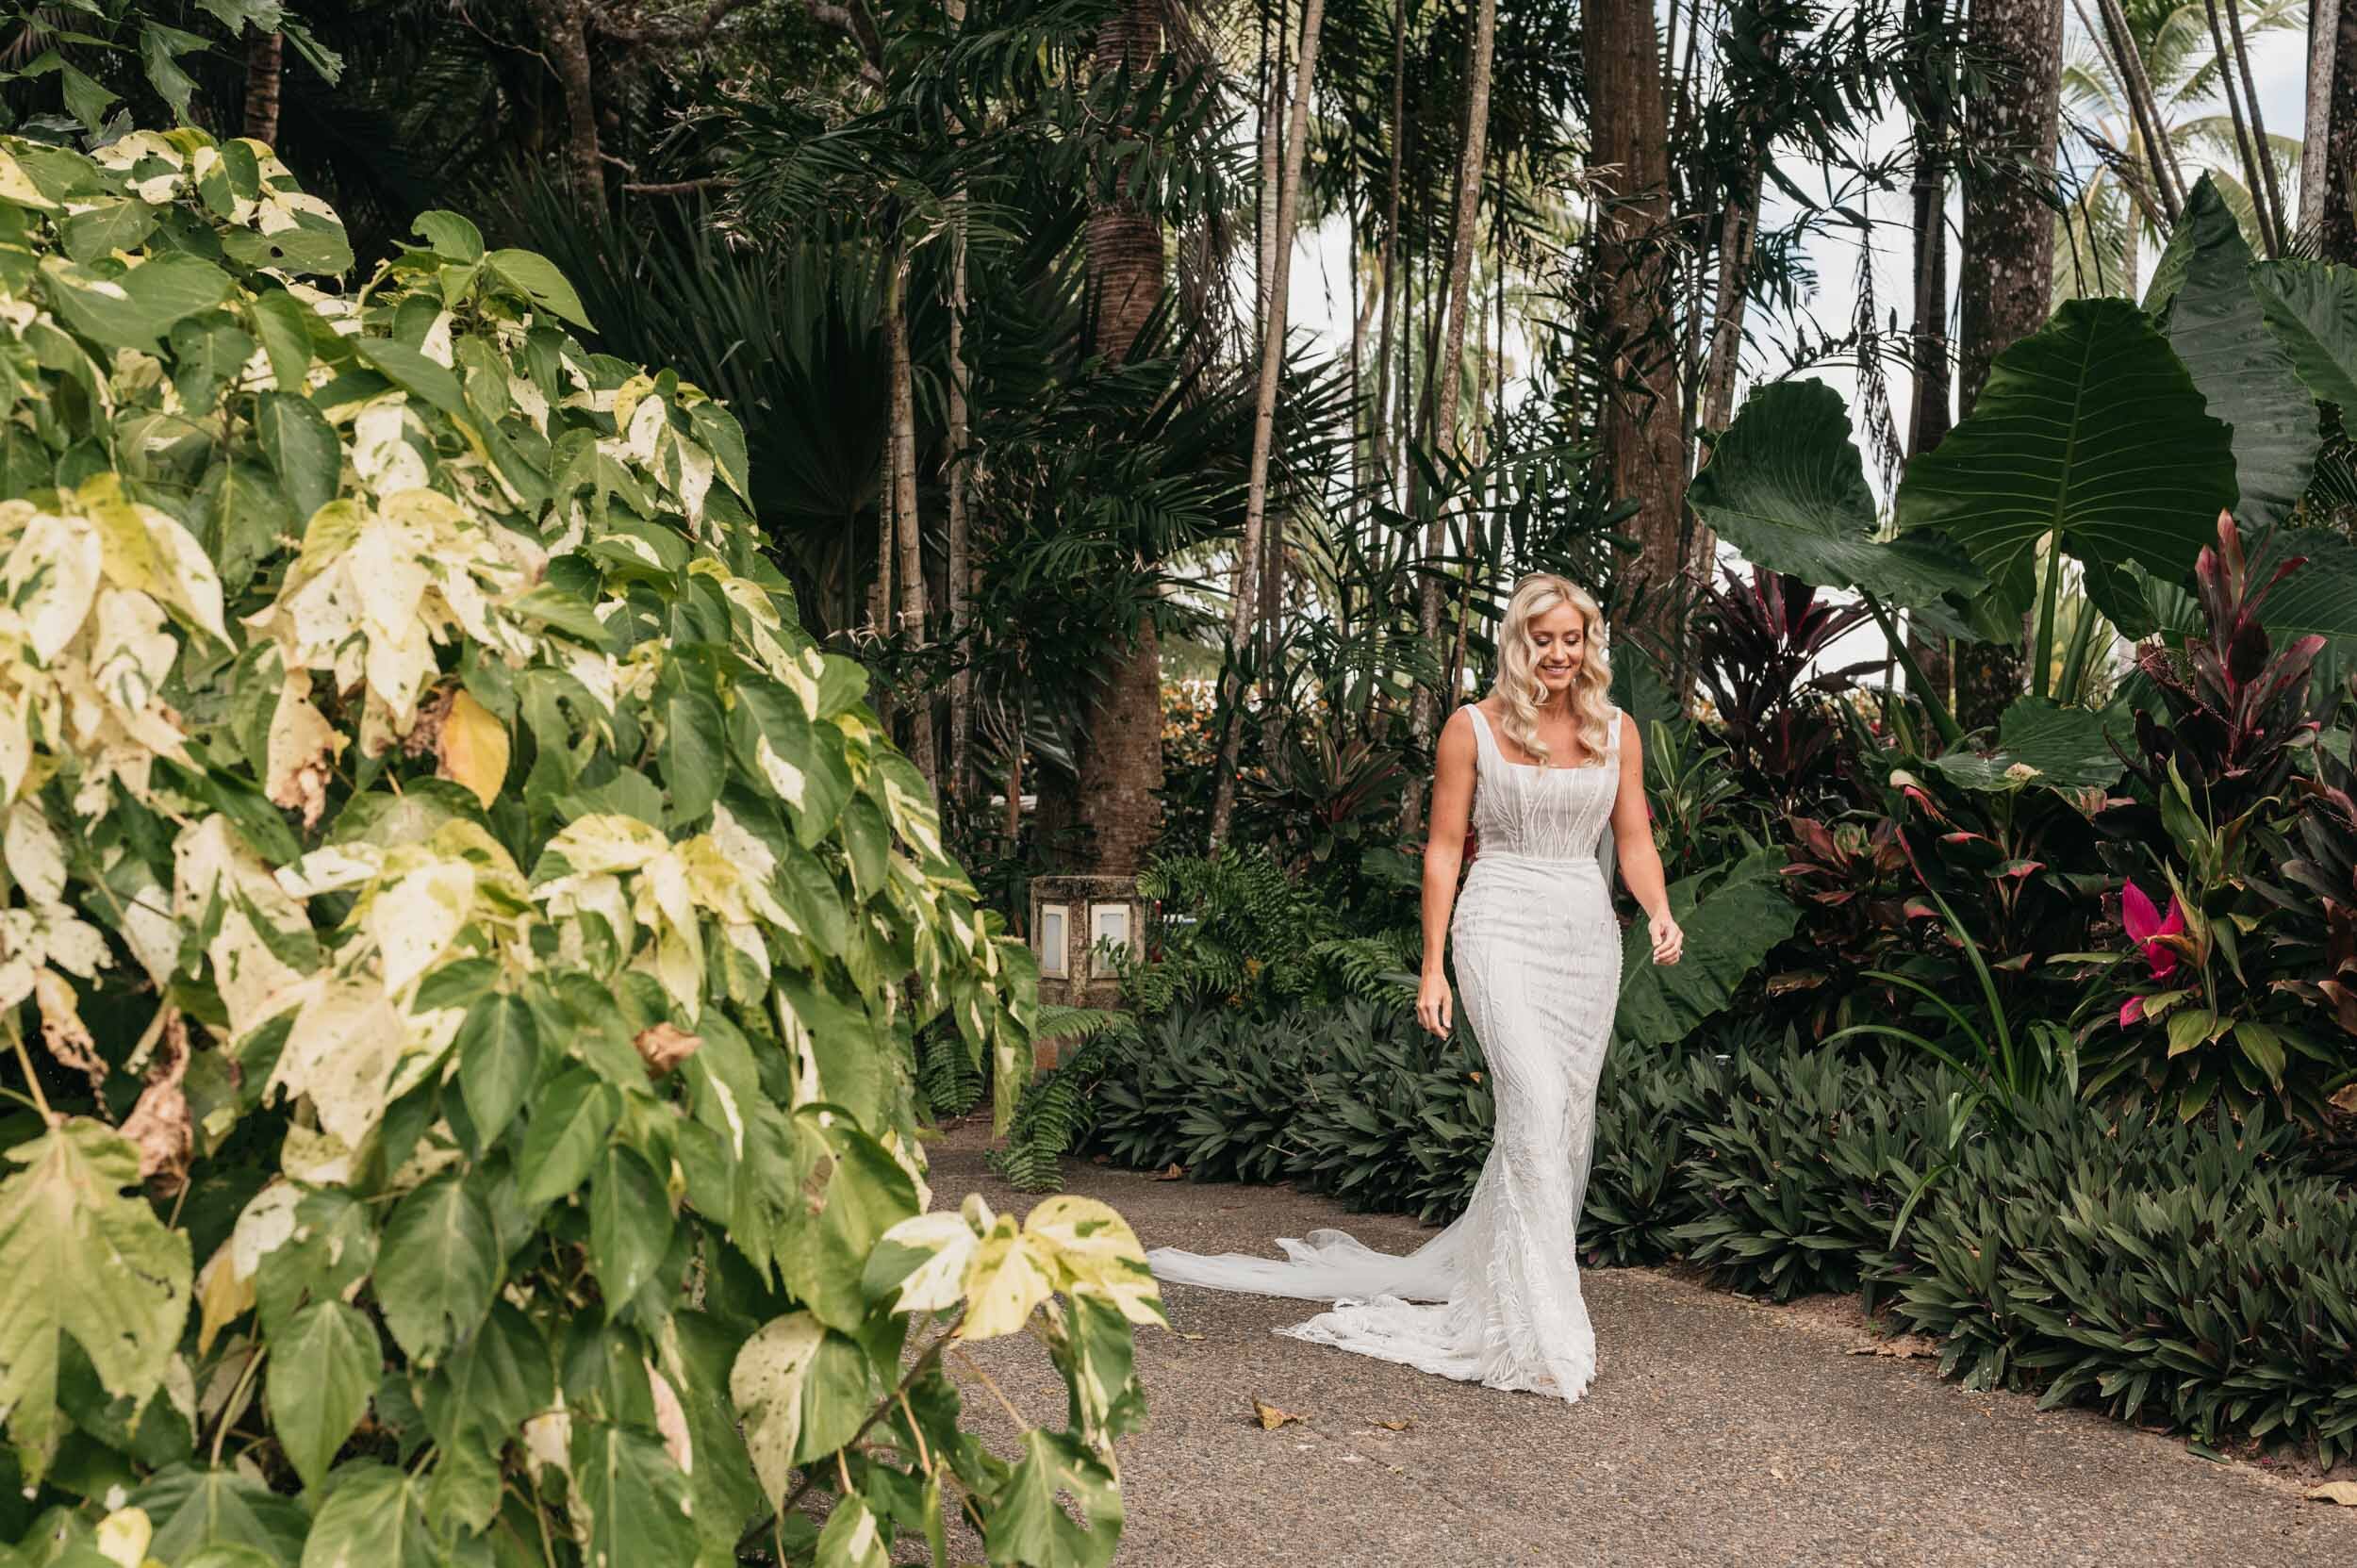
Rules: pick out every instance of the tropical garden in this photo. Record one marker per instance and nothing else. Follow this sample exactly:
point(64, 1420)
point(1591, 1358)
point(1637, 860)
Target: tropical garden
point(570, 565)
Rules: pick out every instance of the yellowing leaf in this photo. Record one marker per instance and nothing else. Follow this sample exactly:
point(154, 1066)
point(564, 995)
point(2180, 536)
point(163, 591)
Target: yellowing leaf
point(2343, 1492)
point(1004, 1281)
point(122, 1537)
point(78, 1257)
point(474, 749)
point(1093, 1249)
point(801, 1391)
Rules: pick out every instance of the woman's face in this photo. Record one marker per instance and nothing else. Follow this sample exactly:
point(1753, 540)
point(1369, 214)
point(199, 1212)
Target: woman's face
point(1559, 647)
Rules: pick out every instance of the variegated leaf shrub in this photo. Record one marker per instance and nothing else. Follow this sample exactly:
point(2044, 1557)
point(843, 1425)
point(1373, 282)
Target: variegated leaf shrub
point(461, 947)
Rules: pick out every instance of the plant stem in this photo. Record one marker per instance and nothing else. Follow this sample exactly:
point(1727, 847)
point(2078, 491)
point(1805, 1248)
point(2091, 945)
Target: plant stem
point(1917, 682)
point(2044, 651)
point(229, 1410)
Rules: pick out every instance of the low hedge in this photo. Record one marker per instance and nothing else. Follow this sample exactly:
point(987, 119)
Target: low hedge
point(2198, 1273)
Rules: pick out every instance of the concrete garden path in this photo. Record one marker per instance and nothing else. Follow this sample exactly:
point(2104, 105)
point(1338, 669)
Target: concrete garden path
point(1719, 1431)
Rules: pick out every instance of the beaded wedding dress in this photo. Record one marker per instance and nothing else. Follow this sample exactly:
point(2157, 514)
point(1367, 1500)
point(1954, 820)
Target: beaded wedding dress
point(1495, 1298)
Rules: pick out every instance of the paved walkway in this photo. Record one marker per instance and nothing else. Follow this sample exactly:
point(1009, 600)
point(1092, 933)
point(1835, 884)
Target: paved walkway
point(1718, 1431)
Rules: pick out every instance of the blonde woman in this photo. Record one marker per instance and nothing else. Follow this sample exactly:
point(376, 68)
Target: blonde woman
point(1550, 774)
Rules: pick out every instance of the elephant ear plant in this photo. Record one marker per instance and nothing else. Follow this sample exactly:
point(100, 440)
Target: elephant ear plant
point(462, 946)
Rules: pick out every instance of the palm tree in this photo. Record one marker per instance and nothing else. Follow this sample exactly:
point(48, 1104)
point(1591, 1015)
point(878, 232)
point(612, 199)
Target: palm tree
point(2119, 203)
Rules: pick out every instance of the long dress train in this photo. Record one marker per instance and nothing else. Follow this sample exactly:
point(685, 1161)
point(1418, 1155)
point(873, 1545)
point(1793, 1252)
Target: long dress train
point(1495, 1298)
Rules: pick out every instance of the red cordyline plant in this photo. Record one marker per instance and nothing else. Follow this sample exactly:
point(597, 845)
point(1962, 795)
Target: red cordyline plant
point(2237, 707)
point(2152, 933)
point(1760, 645)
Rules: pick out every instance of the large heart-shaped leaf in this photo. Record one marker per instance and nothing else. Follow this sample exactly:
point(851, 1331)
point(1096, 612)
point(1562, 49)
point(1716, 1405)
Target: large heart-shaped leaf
point(2245, 375)
point(1786, 487)
point(2089, 432)
point(2311, 308)
point(1731, 918)
point(2038, 742)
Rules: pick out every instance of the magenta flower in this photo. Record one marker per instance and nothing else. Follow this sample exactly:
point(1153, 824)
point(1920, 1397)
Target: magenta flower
point(2147, 931)
point(2146, 927)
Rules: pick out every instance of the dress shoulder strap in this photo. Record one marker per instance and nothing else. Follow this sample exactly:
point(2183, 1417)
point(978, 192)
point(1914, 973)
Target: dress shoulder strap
point(1484, 743)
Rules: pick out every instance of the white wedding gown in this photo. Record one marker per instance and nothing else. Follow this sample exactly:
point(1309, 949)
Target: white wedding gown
point(1495, 1298)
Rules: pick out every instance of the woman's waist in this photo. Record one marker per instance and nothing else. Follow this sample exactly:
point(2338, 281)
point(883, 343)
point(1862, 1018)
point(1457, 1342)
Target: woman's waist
point(1519, 859)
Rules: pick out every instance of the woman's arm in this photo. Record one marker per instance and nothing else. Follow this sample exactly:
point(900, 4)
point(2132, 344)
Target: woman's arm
point(1633, 845)
point(1444, 859)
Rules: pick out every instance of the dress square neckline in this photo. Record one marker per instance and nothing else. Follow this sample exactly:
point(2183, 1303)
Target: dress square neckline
point(1536, 766)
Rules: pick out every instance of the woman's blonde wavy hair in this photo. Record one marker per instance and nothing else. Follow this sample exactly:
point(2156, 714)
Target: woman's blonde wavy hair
point(1518, 688)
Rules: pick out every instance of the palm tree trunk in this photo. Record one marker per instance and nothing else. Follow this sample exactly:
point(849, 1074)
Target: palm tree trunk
point(2160, 154)
point(1638, 420)
point(2336, 212)
point(1473, 156)
point(1388, 279)
point(2007, 278)
point(2315, 127)
point(1264, 404)
point(1120, 741)
point(2252, 179)
point(2277, 219)
point(1928, 412)
point(265, 60)
point(959, 568)
point(910, 567)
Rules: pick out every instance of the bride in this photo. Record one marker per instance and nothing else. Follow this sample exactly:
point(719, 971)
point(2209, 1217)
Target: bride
point(1495, 1298)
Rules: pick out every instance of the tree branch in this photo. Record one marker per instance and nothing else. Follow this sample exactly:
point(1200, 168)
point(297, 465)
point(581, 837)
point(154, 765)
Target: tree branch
point(675, 188)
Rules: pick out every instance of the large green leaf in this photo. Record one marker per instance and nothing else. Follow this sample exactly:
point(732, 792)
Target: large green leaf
point(802, 1391)
point(630, 1225)
point(636, 1499)
point(2089, 432)
point(193, 1508)
point(135, 309)
point(78, 1257)
point(437, 1268)
point(1786, 487)
point(2038, 742)
point(2245, 375)
point(322, 1368)
point(2311, 308)
point(484, 1392)
point(1731, 918)
point(1029, 1525)
point(374, 1517)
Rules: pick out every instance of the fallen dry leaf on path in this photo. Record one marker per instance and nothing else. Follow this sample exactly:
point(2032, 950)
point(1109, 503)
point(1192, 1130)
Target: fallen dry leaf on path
point(1173, 1173)
point(1187, 1336)
point(1271, 1417)
point(1396, 1425)
point(2343, 1492)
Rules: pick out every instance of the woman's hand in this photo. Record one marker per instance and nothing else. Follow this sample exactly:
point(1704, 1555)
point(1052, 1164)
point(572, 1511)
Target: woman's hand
point(1432, 1004)
point(1669, 942)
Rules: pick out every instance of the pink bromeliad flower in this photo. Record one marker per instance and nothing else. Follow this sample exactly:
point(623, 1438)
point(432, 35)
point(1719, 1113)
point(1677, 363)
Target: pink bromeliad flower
point(2146, 929)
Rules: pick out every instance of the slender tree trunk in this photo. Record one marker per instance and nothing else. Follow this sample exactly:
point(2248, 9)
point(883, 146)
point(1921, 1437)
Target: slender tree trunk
point(1928, 415)
point(1638, 420)
point(2160, 155)
point(2252, 180)
point(1264, 404)
point(907, 528)
point(2315, 127)
point(2278, 219)
point(1120, 742)
point(265, 57)
point(567, 50)
point(1388, 280)
point(1464, 235)
point(958, 570)
point(2336, 227)
point(2006, 284)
